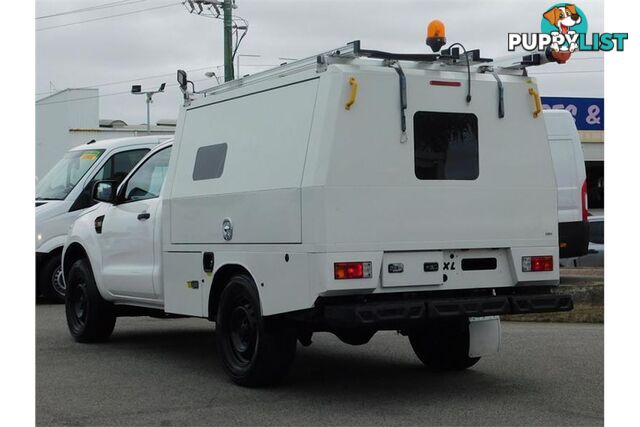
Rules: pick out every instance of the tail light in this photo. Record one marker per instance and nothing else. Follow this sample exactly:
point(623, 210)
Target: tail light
point(352, 270)
point(537, 263)
point(585, 211)
point(445, 83)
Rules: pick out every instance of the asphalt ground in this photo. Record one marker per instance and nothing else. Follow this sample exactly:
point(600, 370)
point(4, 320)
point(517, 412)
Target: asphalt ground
point(167, 372)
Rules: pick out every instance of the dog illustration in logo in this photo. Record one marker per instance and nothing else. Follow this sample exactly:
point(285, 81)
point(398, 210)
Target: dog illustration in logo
point(563, 18)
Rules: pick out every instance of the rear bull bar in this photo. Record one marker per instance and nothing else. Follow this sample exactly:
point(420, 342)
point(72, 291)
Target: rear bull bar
point(401, 312)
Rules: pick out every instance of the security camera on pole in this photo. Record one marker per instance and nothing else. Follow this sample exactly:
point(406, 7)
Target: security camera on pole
point(137, 90)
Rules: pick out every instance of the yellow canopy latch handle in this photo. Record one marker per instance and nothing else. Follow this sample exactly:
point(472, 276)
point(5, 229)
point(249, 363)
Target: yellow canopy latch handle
point(536, 99)
point(354, 93)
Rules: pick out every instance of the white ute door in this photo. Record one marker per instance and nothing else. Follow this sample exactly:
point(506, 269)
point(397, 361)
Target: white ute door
point(130, 229)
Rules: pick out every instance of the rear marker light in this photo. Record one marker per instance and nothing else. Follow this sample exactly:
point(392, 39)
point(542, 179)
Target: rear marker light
point(537, 263)
point(445, 83)
point(352, 270)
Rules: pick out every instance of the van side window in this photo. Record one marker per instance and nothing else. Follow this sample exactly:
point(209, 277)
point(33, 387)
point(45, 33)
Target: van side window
point(147, 181)
point(210, 162)
point(115, 168)
point(445, 146)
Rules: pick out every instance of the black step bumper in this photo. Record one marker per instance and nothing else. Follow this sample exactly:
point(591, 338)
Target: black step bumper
point(402, 312)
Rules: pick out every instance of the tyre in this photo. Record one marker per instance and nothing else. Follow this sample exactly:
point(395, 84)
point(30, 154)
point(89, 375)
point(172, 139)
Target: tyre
point(444, 345)
point(253, 354)
point(89, 317)
point(50, 281)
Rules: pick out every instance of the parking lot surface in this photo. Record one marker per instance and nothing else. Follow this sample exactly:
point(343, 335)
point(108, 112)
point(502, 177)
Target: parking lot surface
point(167, 372)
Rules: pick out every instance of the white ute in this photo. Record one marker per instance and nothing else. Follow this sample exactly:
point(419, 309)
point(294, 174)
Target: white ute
point(65, 191)
point(350, 192)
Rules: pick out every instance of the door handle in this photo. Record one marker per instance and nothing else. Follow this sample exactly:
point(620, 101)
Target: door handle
point(144, 215)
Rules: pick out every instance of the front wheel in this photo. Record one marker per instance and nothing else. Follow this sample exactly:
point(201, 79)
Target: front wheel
point(252, 353)
point(444, 345)
point(90, 318)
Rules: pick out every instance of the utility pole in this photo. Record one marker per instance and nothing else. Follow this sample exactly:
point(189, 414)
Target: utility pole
point(228, 40)
point(211, 9)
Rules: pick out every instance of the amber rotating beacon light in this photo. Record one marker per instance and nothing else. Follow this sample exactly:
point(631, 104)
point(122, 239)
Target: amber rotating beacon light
point(435, 35)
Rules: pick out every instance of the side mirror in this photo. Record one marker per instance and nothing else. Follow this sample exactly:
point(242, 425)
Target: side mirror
point(105, 191)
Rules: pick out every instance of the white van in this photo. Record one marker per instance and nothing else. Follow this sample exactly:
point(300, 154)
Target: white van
point(350, 192)
point(65, 191)
point(571, 178)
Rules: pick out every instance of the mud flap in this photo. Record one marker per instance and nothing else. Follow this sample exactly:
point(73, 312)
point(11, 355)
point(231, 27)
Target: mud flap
point(484, 336)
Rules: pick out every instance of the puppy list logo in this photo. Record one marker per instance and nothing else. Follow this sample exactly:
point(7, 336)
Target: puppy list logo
point(563, 28)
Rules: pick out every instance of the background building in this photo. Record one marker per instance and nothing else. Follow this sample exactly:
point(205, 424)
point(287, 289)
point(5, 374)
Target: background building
point(55, 115)
point(71, 117)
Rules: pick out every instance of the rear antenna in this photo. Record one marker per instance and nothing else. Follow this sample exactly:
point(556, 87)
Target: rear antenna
point(468, 69)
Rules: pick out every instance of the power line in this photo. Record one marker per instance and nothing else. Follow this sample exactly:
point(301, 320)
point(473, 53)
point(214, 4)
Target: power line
point(248, 65)
point(92, 8)
point(129, 91)
point(157, 76)
point(107, 17)
point(103, 95)
point(211, 9)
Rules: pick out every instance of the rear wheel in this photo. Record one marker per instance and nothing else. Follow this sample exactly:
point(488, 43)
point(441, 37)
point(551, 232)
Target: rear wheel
point(252, 353)
point(50, 280)
point(444, 345)
point(90, 318)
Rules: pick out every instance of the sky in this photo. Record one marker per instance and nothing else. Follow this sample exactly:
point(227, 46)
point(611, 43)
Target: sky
point(147, 47)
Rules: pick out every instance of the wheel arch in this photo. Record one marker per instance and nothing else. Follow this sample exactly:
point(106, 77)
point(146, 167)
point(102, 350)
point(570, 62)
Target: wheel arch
point(51, 245)
point(72, 253)
point(218, 283)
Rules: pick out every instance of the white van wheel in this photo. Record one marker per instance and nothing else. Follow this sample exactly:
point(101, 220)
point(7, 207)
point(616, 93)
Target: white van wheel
point(252, 355)
point(50, 280)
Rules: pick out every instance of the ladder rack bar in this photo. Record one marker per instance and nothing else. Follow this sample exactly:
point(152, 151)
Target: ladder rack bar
point(348, 51)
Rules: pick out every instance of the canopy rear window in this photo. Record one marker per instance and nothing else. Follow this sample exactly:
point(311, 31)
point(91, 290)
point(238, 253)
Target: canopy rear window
point(445, 146)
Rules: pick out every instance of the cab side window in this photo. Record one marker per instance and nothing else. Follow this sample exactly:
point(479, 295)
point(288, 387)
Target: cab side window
point(115, 168)
point(119, 165)
point(147, 181)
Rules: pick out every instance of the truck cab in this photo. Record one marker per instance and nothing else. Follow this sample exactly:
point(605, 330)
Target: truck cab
point(65, 192)
point(351, 192)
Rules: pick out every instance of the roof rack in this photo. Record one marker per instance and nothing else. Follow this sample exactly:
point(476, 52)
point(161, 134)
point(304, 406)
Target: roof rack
point(347, 51)
point(352, 50)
